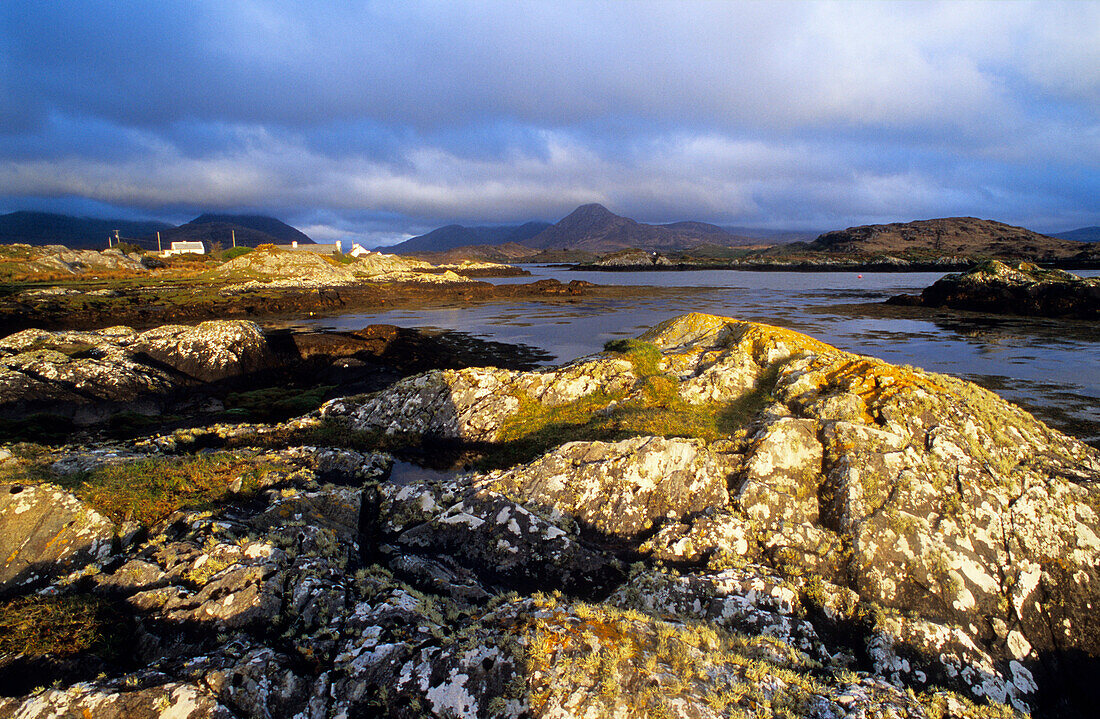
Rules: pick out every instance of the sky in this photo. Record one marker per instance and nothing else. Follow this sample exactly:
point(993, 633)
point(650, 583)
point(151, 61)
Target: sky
point(374, 121)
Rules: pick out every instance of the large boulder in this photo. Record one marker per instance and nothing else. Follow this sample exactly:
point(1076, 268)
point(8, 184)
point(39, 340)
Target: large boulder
point(1019, 288)
point(210, 351)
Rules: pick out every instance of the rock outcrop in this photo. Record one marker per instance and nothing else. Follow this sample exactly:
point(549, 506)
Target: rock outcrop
point(91, 375)
point(275, 268)
point(58, 260)
point(1019, 288)
point(633, 259)
point(720, 518)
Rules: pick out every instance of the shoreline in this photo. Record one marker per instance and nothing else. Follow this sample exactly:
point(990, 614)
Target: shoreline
point(142, 307)
point(878, 267)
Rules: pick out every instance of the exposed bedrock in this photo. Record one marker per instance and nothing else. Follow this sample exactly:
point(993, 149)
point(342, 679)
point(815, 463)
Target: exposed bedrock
point(1018, 288)
point(722, 517)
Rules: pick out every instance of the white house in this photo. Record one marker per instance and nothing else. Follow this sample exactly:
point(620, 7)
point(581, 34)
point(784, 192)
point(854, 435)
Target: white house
point(179, 248)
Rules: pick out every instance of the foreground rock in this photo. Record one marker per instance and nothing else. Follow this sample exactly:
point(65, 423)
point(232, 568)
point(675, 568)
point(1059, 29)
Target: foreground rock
point(93, 377)
point(90, 376)
point(1017, 288)
point(848, 538)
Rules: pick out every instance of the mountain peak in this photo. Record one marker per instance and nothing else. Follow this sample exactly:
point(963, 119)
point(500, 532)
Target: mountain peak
point(592, 210)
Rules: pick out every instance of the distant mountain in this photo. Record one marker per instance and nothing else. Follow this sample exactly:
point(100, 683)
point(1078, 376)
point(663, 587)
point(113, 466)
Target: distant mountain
point(948, 236)
point(47, 228)
point(250, 230)
point(454, 236)
point(1083, 234)
point(594, 228)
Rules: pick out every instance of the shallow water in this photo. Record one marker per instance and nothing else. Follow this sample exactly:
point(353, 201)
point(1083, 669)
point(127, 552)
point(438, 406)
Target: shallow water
point(1051, 367)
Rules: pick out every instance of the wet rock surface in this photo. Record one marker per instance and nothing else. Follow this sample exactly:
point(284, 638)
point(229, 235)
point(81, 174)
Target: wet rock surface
point(866, 540)
point(1018, 288)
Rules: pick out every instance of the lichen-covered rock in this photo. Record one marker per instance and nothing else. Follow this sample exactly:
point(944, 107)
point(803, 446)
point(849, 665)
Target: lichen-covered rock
point(46, 532)
point(171, 700)
point(1018, 288)
point(498, 542)
point(89, 376)
point(621, 489)
point(866, 540)
point(210, 351)
point(473, 404)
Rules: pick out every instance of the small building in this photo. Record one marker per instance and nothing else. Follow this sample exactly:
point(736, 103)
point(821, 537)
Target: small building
point(180, 248)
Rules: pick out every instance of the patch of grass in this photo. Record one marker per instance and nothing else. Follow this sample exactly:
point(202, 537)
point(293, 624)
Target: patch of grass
point(149, 490)
point(62, 626)
point(234, 252)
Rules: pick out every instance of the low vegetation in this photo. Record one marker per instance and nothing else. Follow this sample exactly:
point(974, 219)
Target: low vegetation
point(149, 490)
point(61, 626)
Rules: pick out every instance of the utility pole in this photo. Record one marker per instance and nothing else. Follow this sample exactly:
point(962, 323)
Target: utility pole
point(116, 237)
point(233, 235)
point(158, 242)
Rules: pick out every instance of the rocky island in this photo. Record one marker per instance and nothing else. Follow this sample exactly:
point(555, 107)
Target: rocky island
point(719, 518)
point(1019, 288)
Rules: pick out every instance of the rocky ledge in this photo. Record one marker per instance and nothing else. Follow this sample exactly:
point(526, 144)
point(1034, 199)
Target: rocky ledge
point(718, 519)
point(95, 377)
point(1019, 288)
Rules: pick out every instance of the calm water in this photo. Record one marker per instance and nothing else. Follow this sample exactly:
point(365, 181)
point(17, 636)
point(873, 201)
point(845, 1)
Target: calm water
point(1051, 367)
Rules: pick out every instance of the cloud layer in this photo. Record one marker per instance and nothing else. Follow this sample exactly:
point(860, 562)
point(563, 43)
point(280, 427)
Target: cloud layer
point(381, 120)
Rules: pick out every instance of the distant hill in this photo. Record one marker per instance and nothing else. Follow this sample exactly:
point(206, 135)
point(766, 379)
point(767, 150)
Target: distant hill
point(506, 253)
point(250, 230)
point(967, 236)
point(47, 228)
point(455, 236)
point(594, 228)
point(1083, 234)
point(763, 234)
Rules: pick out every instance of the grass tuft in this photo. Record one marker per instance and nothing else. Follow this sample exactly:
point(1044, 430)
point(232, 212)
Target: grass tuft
point(61, 626)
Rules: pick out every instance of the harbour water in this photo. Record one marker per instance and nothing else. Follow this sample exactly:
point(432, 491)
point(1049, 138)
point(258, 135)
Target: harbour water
point(1050, 367)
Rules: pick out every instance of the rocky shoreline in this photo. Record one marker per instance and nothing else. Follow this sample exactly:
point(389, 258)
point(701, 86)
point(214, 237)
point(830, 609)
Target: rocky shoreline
point(717, 518)
point(151, 306)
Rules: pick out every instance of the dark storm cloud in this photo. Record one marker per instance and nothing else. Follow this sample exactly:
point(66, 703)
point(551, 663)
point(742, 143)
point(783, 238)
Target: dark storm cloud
point(376, 118)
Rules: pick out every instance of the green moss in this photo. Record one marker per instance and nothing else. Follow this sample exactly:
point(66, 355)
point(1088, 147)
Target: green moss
point(149, 490)
point(234, 252)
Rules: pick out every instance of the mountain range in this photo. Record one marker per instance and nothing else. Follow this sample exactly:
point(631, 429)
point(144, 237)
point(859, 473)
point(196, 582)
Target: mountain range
point(589, 228)
point(45, 228)
point(250, 231)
